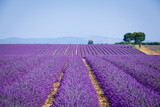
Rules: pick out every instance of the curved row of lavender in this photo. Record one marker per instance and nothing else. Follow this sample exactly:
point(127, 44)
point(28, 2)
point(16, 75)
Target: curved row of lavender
point(144, 74)
point(121, 88)
point(32, 90)
point(76, 88)
point(67, 50)
point(148, 60)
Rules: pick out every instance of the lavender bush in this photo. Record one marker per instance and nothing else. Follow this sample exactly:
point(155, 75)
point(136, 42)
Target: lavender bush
point(146, 75)
point(33, 89)
point(59, 49)
point(122, 89)
point(76, 88)
point(14, 67)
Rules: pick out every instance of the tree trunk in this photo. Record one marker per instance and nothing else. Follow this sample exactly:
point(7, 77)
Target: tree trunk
point(140, 43)
point(135, 41)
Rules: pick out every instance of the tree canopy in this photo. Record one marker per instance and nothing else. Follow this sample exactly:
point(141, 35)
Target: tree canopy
point(90, 42)
point(128, 37)
point(138, 37)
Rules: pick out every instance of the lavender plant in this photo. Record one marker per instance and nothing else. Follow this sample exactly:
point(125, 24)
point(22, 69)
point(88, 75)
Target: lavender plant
point(14, 67)
point(76, 88)
point(48, 49)
point(146, 75)
point(121, 88)
point(32, 90)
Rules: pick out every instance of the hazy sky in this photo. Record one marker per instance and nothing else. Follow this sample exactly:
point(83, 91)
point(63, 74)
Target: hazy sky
point(81, 18)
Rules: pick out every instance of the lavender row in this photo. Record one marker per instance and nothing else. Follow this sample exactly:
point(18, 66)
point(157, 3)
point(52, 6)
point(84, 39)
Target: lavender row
point(23, 49)
point(33, 89)
point(67, 50)
point(151, 60)
point(120, 49)
point(142, 73)
point(122, 89)
point(154, 47)
point(14, 67)
point(76, 88)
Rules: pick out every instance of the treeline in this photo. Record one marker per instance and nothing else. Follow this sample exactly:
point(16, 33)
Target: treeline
point(151, 43)
point(144, 43)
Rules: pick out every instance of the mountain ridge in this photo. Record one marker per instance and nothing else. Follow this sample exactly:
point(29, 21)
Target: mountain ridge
point(62, 40)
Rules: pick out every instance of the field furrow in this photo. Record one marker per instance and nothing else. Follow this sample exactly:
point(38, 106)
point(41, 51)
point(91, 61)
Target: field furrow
point(76, 88)
point(51, 97)
point(33, 88)
point(103, 100)
point(143, 74)
point(78, 75)
point(121, 88)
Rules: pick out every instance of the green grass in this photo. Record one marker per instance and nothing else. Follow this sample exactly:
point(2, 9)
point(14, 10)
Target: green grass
point(136, 46)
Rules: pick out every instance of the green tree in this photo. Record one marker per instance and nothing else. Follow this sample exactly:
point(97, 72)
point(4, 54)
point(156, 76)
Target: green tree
point(90, 42)
point(139, 37)
point(128, 37)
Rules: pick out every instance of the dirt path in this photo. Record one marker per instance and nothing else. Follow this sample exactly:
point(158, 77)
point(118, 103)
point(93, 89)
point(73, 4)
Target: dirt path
point(146, 50)
point(103, 100)
point(56, 85)
point(54, 52)
point(66, 50)
point(76, 49)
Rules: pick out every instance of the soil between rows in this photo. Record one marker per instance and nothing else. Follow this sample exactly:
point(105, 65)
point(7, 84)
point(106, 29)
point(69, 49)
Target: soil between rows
point(103, 100)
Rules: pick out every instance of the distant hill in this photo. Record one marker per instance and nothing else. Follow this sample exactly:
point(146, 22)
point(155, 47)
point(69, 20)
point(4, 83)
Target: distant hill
point(61, 40)
point(64, 40)
point(103, 39)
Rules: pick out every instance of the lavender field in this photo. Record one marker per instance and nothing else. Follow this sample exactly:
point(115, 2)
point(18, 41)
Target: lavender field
point(67, 50)
point(154, 48)
point(47, 75)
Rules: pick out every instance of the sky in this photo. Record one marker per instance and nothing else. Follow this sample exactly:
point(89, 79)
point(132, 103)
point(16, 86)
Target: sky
point(79, 18)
